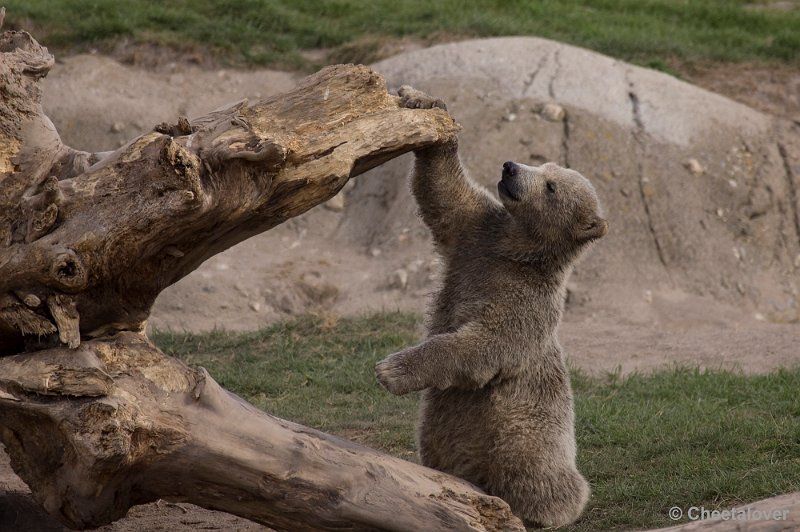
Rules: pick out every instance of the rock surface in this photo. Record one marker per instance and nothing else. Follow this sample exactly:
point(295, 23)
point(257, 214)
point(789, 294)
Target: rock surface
point(728, 232)
point(701, 195)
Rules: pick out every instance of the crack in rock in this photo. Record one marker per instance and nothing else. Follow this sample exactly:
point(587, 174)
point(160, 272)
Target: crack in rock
point(790, 179)
point(550, 88)
point(565, 123)
point(532, 76)
point(638, 136)
point(565, 141)
point(637, 115)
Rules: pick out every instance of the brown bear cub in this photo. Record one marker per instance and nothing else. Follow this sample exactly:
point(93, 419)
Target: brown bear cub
point(497, 405)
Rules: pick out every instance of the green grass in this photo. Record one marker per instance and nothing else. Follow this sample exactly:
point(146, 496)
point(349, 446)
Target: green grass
point(313, 373)
point(276, 31)
point(685, 438)
point(680, 437)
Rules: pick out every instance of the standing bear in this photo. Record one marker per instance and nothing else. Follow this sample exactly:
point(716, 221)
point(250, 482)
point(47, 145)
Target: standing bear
point(497, 406)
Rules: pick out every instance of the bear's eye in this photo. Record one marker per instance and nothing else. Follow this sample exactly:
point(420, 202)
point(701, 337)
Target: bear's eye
point(551, 187)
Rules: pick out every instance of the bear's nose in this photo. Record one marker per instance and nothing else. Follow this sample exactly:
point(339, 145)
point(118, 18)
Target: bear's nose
point(510, 169)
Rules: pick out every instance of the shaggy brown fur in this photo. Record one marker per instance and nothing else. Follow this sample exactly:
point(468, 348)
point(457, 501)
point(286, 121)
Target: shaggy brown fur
point(497, 404)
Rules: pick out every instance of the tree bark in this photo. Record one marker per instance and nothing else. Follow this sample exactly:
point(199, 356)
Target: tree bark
point(96, 418)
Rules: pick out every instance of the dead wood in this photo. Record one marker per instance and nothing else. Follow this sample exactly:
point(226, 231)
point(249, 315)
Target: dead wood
point(113, 230)
point(115, 423)
point(95, 418)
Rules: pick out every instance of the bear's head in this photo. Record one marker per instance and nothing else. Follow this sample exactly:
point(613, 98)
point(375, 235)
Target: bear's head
point(555, 211)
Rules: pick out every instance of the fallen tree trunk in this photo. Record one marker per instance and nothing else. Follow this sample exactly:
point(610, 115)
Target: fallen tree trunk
point(116, 423)
point(96, 418)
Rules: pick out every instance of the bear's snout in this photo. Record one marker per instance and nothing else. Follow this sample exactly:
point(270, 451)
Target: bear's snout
point(510, 169)
point(509, 184)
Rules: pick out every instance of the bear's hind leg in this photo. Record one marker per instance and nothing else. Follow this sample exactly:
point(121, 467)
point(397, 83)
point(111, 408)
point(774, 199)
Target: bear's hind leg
point(550, 499)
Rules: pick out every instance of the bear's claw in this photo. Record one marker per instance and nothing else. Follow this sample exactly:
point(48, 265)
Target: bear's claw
point(411, 98)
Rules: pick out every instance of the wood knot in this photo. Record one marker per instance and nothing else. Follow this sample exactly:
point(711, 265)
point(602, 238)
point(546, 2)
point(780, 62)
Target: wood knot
point(68, 272)
point(40, 223)
point(183, 162)
point(41, 210)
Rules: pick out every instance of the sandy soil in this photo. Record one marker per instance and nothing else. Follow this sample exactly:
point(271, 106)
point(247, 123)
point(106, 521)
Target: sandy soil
point(324, 262)
point(773, 89)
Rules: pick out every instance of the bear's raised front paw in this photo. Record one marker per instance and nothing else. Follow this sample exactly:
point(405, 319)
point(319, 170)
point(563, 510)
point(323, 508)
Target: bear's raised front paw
point(411, 98)
point(393, 375)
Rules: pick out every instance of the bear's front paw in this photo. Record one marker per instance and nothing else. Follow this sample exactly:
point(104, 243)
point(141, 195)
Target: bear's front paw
point(411, 98)
point(393, 375)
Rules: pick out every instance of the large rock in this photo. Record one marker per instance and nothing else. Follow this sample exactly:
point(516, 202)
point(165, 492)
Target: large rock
point(700, 190)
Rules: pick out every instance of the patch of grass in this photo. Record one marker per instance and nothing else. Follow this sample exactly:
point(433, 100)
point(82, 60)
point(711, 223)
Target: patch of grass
point(315, 372)
point(276, 31)
point(684, 438)
point(680, 437)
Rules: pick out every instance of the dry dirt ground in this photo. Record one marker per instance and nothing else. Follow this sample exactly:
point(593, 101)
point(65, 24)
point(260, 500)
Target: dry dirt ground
point(364, 250)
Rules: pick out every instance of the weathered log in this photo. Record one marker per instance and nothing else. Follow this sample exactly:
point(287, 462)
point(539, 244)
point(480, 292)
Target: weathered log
point(116, 423)
point(94, 417)
point(114, 233)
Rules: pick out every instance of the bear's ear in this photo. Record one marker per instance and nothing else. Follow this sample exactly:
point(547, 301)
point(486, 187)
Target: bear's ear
point(593, 230)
